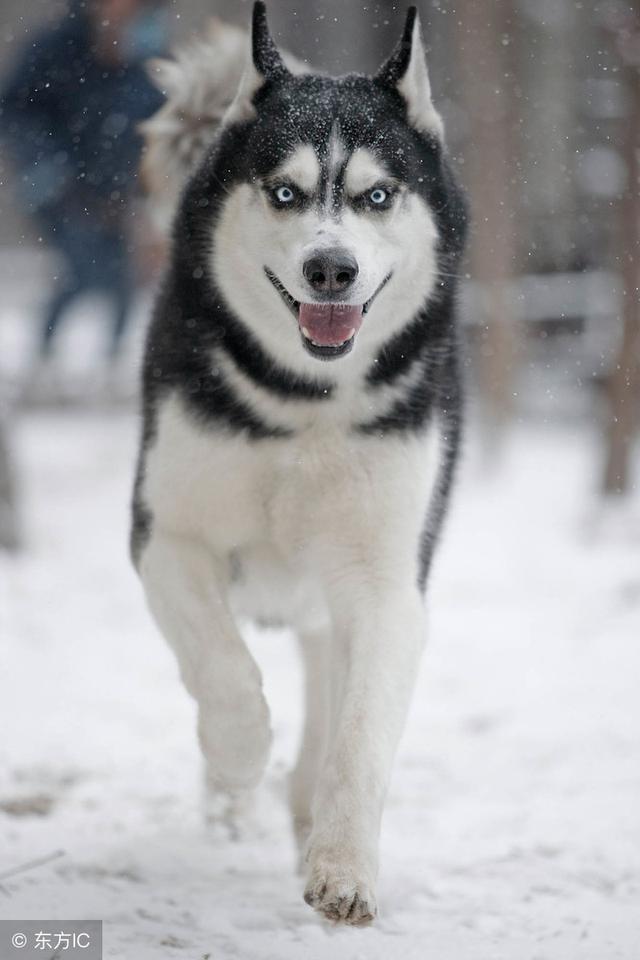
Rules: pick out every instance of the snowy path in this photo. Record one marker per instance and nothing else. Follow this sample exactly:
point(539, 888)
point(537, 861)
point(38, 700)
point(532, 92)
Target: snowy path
point(513, 825)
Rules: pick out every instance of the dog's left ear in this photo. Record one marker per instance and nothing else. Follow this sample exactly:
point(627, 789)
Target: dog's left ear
point(265, 64)
point(406, 71)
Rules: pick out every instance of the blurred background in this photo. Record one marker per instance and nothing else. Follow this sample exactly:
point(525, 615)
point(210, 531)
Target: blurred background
point(541, 568)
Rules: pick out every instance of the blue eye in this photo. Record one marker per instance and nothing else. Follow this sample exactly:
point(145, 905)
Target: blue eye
point(378, 195)
point(284, 194)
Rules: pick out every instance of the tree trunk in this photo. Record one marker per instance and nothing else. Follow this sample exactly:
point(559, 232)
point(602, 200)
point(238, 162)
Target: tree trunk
point(624, 384)
point(9, 538)
point(488, 174)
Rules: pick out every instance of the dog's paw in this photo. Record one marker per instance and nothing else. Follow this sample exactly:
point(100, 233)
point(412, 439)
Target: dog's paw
point(341, 895)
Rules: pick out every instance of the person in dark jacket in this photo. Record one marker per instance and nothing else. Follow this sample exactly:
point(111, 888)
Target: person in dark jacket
point(69, 113)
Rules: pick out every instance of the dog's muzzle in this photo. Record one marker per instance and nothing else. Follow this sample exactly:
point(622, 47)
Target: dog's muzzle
point(328, 329)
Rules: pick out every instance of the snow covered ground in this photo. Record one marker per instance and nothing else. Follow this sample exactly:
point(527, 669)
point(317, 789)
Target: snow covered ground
point(512, 829)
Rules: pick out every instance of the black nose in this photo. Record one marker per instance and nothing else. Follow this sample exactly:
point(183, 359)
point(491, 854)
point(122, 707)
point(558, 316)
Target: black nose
point(330, 271)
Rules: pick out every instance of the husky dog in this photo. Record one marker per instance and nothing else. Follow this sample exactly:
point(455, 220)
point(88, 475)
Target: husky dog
point(301, 422)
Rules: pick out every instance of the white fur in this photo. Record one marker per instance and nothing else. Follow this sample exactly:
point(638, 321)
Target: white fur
point(363, 171)
point(416, 89)
point(326, 530)
point(251, 235)
point(337, 154)
point(199, 84)
point(302, 167)
point(241, 110)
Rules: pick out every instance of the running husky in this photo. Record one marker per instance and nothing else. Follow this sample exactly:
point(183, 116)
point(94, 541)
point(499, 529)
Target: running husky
point(301, 422)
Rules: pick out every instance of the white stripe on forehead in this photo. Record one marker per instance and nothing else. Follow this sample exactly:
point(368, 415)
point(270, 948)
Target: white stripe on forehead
point(302, 168)
point(364, 170)
point(336, 154)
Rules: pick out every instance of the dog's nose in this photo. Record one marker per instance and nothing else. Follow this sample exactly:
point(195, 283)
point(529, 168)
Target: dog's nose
point(330, 271)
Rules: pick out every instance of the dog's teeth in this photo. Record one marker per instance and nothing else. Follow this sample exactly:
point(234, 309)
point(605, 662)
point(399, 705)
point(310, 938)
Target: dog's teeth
point(351, 333)
point(307, 334)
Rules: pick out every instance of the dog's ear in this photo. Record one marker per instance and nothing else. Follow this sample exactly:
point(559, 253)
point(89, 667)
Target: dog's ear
point(264, 53)
point(406, 71)
point(264, 65)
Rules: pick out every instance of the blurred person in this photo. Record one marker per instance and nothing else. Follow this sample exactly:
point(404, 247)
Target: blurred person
point(70, 111)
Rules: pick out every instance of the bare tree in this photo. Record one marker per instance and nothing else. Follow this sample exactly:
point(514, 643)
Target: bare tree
point(9, 537)
point(486, 29)
point(624, 384)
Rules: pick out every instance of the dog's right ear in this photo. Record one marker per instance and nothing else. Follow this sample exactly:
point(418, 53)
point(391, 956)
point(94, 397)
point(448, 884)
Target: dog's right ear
point(264, 65)
point(264, 53)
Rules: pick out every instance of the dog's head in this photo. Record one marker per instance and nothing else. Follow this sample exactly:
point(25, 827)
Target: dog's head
point(331, 200)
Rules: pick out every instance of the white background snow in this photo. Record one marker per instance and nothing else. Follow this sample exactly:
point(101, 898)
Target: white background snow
point(512, 829)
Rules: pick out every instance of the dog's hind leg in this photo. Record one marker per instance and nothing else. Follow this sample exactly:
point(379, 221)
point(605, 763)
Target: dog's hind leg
point(315, 649)
point(187, 592)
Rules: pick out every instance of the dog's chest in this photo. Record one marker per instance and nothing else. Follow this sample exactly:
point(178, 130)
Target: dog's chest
point(233, 491)
point(300, 500)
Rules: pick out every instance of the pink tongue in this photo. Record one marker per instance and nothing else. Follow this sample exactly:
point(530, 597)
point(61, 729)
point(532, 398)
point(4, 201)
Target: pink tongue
point(329, 324)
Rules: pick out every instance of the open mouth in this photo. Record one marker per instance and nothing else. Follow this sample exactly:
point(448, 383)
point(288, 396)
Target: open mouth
point(328, 330)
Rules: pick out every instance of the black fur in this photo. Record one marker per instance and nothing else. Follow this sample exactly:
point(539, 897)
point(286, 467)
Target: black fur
point(266, 58)
point(192, 320)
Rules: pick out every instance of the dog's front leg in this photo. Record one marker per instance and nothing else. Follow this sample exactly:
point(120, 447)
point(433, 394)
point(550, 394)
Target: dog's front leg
point(186, 588)
point(379, 637)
